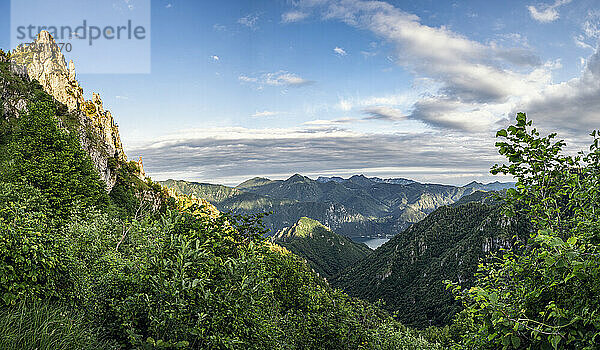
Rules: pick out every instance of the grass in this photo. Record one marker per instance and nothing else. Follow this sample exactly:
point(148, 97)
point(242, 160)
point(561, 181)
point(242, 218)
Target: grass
point(44, 326)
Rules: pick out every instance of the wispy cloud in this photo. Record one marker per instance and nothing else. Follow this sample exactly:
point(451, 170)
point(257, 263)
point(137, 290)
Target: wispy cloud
point(247, 79)
point(404, 100)
point(286, 79)
point(219, 27)
point(293, 16)
point(339, 51)
point(546, 13)
point(279, 78)
point(580, 42)
point(384, 113)
point(250, 21)
point(328, 122)
point(264, 114)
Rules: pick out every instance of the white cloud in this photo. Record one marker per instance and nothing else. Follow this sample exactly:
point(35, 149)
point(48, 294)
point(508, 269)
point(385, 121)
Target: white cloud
point(579, 41)
point(215, 58)
point(118, 97)
point(169, 5)
point(469, 76)
point(573, 106)
point(285, 78)
point(293, 16)
point(279, 78)
point(403, 100)
point(339, 51)
point(249, 21)
point(220, 154)
point(591, 26)
point(546, 13)
point(384, 113)
point(247, 79)
point(264, 114)
point(328, 122)
point(219, 27)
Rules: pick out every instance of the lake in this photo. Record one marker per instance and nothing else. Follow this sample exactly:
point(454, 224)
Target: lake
point(372, 243)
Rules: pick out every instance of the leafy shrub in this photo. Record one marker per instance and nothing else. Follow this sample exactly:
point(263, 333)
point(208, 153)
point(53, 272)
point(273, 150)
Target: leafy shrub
point(199, 281)
point(32, 263)
point(545, 293)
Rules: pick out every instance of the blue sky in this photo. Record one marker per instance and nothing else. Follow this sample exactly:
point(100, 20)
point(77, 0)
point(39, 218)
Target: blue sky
point(395, 89)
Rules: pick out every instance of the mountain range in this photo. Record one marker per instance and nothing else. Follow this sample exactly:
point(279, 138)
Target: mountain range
point(355, 207)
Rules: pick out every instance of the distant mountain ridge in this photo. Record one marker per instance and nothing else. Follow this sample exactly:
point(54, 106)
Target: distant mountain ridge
point(492, 186)
point(325, 251)
point(395, 181)
point(353, 207)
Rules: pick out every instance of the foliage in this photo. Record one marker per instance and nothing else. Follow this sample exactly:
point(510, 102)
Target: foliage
point(193, 280)
point(545, 293)
point(36, 151)
point(47, 326)
point(31, 260)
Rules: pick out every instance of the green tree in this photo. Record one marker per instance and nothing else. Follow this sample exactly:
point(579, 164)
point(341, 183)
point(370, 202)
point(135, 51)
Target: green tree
point(545, 292)
point(36, 151)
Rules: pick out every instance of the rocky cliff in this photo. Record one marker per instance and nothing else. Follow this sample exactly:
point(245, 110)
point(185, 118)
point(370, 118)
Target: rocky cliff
point(99, 134)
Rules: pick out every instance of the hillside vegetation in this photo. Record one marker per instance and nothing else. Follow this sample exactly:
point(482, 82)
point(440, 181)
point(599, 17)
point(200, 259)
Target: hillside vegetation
point(408, 272)
point(542, 293)
point(325, 251)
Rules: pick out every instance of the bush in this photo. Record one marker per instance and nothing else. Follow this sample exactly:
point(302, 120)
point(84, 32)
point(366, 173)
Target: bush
point(33, 265)
point(204, 281)
point(36, 151)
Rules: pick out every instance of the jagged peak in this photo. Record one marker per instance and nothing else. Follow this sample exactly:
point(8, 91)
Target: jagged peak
point(45, 37)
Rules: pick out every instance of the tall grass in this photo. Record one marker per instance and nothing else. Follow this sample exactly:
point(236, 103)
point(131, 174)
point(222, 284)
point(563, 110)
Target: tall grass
point(44, 326)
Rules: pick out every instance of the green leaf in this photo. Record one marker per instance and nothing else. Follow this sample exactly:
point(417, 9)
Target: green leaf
point(516, 341)
point(494, 298)
point(554, 340)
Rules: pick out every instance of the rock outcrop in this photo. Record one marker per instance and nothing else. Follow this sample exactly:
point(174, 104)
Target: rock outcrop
point(98, 132)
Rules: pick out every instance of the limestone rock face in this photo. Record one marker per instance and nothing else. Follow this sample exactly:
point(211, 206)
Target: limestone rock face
point(44, 62)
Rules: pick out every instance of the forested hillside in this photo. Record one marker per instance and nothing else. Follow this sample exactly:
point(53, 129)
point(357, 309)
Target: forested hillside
point(408, 272)
point(325, 251)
